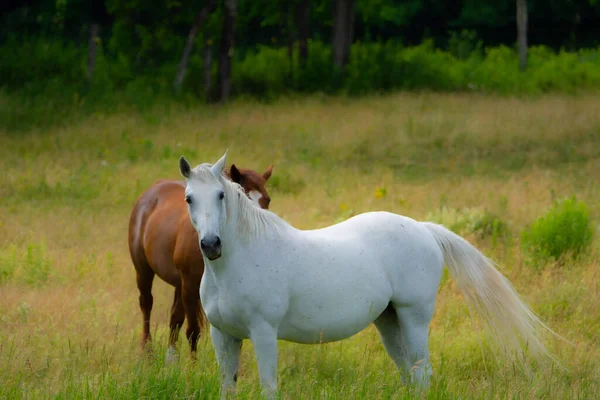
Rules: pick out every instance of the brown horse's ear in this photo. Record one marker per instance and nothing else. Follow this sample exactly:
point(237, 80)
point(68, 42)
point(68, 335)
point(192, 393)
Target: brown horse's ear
point(184, 167)
point(236, 175)
point(267, 173)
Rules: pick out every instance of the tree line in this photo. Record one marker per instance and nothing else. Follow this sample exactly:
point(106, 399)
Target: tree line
point(147, 34)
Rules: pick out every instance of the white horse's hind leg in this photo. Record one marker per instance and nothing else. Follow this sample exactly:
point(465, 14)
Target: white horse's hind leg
point(415, 321)
point(390, 331)
point(404, 333)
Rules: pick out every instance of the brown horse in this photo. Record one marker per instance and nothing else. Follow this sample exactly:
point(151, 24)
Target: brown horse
point(163, 242)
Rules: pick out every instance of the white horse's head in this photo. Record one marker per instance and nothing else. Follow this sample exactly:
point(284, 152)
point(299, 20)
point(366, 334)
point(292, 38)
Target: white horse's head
point(205, 195)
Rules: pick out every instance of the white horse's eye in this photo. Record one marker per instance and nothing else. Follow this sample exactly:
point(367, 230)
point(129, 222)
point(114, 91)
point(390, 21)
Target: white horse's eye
point(221, 196)
point(188, 199)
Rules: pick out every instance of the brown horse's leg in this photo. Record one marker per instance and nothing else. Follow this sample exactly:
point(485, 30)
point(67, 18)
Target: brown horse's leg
point(177, 318)
point(193, 312)
point(144, 283)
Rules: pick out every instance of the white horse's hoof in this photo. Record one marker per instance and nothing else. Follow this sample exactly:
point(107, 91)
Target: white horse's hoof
point(171, 357)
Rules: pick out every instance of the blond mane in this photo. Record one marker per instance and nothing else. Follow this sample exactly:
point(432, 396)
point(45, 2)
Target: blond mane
point(252, 221)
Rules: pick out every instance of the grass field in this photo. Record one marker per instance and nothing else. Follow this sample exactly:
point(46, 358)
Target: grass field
point(69, 318)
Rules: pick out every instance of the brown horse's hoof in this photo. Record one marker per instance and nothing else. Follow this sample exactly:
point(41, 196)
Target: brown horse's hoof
point(146, 348)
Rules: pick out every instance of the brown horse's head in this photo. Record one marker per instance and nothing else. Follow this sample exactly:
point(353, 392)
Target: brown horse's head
point(253, 183)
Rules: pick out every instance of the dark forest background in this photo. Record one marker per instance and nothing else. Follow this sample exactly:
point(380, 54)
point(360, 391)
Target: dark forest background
point(70, 50)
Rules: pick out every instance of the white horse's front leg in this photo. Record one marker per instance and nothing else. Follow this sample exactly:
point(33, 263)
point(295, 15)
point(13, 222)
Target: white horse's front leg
point(227, 349)
point(264, 339)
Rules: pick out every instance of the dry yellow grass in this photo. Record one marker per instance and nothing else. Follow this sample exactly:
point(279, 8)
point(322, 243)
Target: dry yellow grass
point(69, 318)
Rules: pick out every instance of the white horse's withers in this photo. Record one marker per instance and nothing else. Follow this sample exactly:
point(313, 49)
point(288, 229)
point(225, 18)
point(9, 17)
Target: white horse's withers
point(266, 280)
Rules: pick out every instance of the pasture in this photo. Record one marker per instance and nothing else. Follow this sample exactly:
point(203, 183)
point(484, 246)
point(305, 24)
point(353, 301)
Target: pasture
point(70, 323)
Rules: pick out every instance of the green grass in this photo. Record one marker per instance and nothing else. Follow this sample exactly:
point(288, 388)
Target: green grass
point(69, 318)
point(565, 229)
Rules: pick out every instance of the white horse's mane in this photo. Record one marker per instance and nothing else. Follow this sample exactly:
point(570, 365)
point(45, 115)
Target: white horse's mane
point(252, 221)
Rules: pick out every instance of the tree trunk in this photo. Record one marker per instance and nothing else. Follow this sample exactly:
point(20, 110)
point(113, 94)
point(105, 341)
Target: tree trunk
point(343, 27)
point(291, 36)
point(207, 69)
point(303, 24)
point(522, 33)
point(226, 49)
point(339, 33)
point(92, 46)
point(187, 50)
point(350, 33)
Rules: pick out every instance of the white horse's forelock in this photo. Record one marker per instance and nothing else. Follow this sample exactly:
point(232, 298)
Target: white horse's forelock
point(202, 171)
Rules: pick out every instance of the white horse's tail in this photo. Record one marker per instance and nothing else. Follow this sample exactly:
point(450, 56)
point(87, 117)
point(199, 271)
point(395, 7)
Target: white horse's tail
point(511, 322)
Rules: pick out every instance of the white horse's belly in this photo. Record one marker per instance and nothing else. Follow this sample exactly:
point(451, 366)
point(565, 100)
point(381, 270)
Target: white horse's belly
point(335, 305)
point(335, 322)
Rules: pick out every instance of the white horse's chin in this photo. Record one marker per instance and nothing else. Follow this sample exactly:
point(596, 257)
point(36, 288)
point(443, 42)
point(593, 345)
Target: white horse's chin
point(213, 257)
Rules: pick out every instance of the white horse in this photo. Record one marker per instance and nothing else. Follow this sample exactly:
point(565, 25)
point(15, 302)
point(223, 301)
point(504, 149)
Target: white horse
point(266, 280)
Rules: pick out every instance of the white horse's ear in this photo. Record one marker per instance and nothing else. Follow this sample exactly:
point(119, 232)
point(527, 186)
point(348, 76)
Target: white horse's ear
point(184, 167)
point(217, 169)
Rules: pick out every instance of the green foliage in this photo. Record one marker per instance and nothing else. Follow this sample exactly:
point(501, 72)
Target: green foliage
point(45, 79)
point(318, 74)
point(29, 264)
point(462, 45)
point(490, 225)
point(285, 182)
point(37, 267)
point(262, 73)
point(33, 62)
point(470, 220)
point(379, 12)
point(8, 264)
point(373, 67)
point(565, 229)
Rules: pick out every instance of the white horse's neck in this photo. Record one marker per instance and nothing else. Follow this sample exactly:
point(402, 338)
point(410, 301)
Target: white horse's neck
point(245, 225)
point(247, 221)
